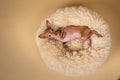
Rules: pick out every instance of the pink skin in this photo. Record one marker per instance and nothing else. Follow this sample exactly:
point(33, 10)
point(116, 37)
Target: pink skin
point(68, 33)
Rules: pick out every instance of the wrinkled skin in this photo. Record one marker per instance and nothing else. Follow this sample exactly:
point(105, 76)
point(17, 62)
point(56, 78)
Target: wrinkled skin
point(68, 33)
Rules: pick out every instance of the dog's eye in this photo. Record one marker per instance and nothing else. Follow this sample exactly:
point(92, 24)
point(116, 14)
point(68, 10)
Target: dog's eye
point(49, 35)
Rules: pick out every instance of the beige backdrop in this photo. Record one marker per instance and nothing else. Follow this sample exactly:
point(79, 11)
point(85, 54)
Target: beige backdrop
point(19, 56)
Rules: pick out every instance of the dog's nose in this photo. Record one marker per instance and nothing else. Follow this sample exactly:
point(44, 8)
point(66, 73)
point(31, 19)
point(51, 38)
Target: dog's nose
point(41, 36)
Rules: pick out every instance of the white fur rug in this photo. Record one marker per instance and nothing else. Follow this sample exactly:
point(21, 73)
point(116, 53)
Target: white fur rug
point(72, 62)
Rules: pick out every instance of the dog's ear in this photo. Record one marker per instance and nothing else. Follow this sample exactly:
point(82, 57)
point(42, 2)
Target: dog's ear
point(48, 24)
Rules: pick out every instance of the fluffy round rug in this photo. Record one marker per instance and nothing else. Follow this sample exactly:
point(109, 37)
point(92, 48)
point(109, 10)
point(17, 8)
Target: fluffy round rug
point(74, 61)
